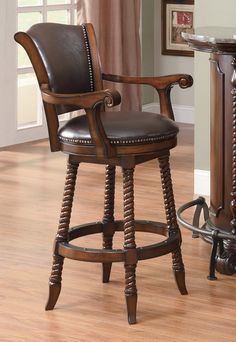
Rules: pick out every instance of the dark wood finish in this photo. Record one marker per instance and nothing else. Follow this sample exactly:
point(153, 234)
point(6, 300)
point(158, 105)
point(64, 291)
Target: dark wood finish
point(217, 137)
point(130, 245)
point(108, 217)
point(221, 138)
point(222, 214)
point(172, 225)
point(162, 84)
point(31, 179)
point(126, 154)
point(62, 236)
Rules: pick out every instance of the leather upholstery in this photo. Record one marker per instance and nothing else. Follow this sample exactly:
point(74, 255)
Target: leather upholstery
point(66, 57)
point(121, 128)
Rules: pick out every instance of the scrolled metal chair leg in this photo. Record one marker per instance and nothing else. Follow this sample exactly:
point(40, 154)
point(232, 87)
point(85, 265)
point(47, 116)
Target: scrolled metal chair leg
point(172, 225)
point(216, 241)
point(62, 235)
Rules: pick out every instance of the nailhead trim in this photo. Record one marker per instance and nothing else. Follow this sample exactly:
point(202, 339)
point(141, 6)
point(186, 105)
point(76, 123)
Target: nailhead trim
point(113, 142)
point(86, 41)
point(119, 141)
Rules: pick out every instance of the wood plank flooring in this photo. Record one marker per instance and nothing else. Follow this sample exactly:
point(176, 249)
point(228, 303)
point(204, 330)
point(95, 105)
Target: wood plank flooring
point(31, 181)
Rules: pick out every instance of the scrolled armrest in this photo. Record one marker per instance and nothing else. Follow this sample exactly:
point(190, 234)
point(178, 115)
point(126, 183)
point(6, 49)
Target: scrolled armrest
point(185, 81)
point(162, 84)
point(158, 82)
point(88, 100)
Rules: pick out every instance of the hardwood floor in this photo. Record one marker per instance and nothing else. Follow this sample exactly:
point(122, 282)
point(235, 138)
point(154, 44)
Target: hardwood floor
point(32, 181)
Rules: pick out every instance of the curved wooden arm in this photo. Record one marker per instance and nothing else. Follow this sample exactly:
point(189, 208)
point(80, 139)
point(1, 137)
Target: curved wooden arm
point(88, 100)
point(158, 82)
point(162, 84)
point(91, 102)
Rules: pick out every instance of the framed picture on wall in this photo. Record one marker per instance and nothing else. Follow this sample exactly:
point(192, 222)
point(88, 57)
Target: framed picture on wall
point(177, 17)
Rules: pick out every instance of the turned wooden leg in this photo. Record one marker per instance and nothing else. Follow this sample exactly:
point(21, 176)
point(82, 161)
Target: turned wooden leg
point(178, 268)
point(62, 235)
point(108, 218)
point(130, 246)
point(169, 202)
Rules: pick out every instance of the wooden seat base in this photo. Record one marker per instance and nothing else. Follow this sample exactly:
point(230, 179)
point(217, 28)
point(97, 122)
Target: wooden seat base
point(130, 254)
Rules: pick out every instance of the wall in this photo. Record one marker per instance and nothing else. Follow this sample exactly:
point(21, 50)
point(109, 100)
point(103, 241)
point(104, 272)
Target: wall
point(148, 58)
point(165, 64)
point(207, 13)
point(154, 63)
point(8, 72)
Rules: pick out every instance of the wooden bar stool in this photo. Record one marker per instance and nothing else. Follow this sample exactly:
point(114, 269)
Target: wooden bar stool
point(66, 62)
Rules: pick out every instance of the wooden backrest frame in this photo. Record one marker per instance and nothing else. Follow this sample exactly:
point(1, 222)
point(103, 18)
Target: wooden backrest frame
point(50, 110)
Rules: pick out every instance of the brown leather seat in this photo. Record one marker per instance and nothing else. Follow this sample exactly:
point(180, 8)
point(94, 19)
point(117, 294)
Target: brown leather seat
point(121, 129)
point(66, 62)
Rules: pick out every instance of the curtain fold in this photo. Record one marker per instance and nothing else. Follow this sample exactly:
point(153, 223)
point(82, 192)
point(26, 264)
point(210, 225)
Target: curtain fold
point(116, 23)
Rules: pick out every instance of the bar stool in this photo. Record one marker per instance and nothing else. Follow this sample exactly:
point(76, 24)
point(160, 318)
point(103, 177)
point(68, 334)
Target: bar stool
point(66, 62)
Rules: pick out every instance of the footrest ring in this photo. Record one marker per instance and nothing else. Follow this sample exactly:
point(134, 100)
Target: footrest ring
point(68, 250)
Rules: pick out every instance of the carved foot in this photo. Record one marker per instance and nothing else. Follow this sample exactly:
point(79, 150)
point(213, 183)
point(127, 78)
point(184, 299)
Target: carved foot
point(180, 281)
point(131, 302)
point(131, 292)
point(54, 292)
point(55, 282)
point(106, 271)
point(179, 273)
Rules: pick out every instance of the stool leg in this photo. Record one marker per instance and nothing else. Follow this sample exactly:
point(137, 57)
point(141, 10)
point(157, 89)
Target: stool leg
point(169, 202)
point(108, 218)
point(62, 235)
point(130, 246)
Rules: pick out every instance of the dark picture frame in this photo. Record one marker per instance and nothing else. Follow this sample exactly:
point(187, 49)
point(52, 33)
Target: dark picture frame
point(177, 17)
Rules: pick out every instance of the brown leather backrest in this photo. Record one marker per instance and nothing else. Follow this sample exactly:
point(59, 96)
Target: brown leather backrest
point(66, 55)
point(66, 58)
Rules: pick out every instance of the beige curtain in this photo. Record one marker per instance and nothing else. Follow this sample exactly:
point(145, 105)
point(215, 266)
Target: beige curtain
point(116, 23)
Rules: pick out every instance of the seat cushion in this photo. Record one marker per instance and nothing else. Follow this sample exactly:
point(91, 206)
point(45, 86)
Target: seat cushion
point(122, 128)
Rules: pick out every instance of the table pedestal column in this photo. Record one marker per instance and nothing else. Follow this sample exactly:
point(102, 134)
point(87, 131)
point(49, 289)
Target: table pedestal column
point(222, 212)
point(220, 218)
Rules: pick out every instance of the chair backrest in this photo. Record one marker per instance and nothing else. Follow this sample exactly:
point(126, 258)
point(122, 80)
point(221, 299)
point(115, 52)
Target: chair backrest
point(66, 58)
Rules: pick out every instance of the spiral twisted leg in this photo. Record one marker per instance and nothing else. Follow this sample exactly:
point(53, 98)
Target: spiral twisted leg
point(169, 203)
point(108, 218)
point(62, 235)
point(130, 246)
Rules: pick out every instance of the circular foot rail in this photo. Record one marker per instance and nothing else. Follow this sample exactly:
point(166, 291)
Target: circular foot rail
point(68, 250)
point(207, 231)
